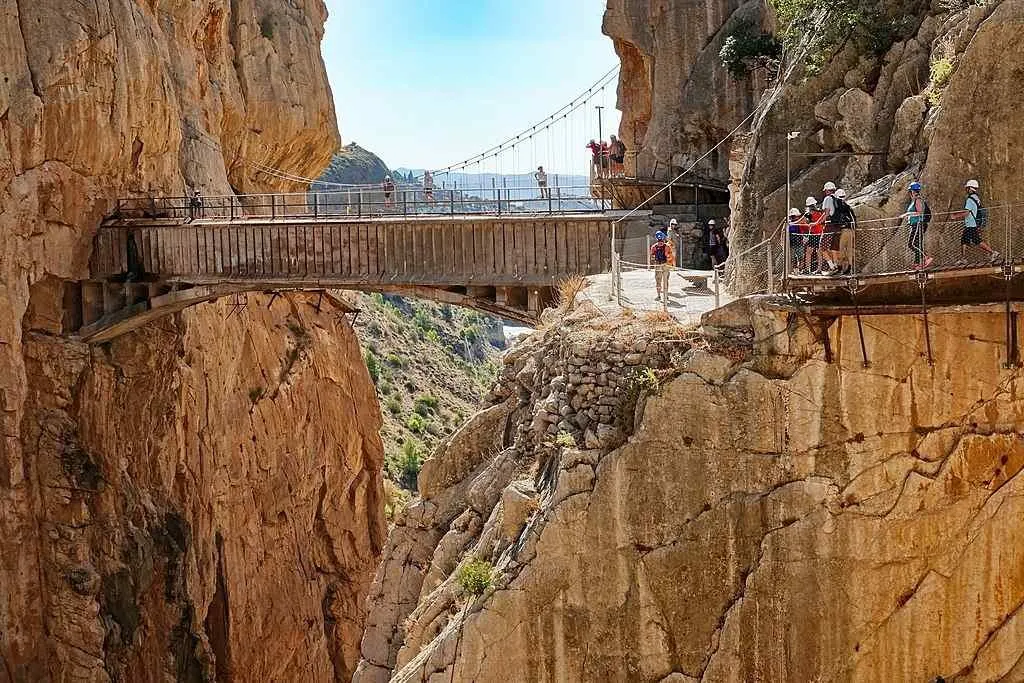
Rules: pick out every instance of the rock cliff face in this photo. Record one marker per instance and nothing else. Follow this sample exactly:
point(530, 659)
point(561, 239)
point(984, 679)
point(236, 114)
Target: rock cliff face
point(756, 506)
point(677, 100)
point(926, 101)
point(199, 499)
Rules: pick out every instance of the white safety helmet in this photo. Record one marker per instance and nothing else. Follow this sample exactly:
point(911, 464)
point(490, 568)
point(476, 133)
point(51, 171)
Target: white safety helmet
point(794, 212)
point(673, 222)
point(841, 193)
point(711, 222)
point(972, 184)
point(811, 201)
point(830, 186)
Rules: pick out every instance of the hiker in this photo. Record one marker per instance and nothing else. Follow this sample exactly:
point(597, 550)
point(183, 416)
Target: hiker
point(975, 218)
point(663, 257)
point(846, 220)
point(815, 221)
point(918, 216)
point(797, 231)
point(542, 182)
point(595, 158)
point(195, 206)
point(605, 159)
point(617, 153)
point(389, 190)
point(428, 186)
point(830, 233)
point(717, 244)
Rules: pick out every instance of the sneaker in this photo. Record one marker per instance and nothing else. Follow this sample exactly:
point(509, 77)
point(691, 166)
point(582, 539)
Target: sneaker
point(995, 256)
point(962, 262)
point(927, 262)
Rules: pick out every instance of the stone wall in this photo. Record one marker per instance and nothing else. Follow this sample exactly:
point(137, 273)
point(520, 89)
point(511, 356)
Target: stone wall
point(778, 511)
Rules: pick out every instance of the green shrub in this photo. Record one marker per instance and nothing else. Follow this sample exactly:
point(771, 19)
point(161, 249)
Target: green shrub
point(394, 406)
point(404, 468)
point(425, 404)
point(267, 27)
point(746, 50)
point(395, 361)
point(255, 394)
point(565, 439)
point(416, 424)
point(475, 577)
point(373, 365)
point(941, 71)
point(432, 336)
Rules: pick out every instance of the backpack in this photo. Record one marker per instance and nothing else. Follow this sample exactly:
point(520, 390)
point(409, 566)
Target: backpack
point(981, 215)
point(926, 217)
point(660, 253)
point(843, 215)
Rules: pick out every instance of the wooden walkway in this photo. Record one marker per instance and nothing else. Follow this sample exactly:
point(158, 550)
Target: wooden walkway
point(142, 268)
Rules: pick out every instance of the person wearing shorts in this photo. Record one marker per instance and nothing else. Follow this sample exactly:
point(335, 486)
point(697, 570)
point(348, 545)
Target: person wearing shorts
point(815, 221)
point(797, 238)
point(973, 223)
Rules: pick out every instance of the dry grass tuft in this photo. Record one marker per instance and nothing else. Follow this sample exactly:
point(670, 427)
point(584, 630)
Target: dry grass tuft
point(569, 289)
point(658, 317)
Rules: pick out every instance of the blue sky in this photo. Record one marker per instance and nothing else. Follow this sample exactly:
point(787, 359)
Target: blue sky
point(426, 83)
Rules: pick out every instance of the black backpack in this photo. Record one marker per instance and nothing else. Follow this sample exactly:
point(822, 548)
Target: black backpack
point(981, 217)
point(926, 218)
point(843, 215)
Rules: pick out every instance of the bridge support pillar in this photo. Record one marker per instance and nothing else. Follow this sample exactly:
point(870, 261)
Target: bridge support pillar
point(501, 296)
point(92, 302)
point(533, 301)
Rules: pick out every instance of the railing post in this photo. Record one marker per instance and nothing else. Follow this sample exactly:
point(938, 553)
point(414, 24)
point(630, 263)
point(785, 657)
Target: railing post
point(405, 202)
point(359, 203)
point(451, 197)
point(716, 281)
point(647, 242)
point(786, 256)
point(771, 271)
point(273, 206)
point(316, 206)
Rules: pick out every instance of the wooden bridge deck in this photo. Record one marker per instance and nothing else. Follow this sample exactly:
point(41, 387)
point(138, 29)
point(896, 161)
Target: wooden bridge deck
point(506, 265)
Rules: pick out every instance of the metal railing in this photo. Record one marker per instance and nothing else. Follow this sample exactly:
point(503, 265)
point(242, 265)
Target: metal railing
point(875, 249)
point(363, 203)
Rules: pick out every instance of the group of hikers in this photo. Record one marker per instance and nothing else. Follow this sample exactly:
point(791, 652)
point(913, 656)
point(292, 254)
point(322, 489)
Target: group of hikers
point(821, 238)
point(608, 158)
point(715, 244)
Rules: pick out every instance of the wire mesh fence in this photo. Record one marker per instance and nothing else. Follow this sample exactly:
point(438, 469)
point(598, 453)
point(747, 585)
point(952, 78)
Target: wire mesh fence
point(888, 246)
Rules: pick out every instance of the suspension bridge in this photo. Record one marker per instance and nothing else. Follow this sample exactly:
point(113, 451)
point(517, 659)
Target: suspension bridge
point(500, 244)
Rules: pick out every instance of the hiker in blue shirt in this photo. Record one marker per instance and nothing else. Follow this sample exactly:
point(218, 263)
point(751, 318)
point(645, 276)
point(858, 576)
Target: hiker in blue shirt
point(975, 218)
point(918, 216)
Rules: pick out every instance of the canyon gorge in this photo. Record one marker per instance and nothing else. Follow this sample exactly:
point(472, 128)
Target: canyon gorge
point(758, 498)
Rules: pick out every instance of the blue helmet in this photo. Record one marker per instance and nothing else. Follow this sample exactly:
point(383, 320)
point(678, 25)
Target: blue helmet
point(915, 186)
point(660, 235)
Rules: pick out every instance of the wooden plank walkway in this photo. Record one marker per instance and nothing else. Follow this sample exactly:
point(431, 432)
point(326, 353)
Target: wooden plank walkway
point(505, 265)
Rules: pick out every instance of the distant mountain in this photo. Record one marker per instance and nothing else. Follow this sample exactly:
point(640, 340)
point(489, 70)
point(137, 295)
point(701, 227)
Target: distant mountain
point(353, 165)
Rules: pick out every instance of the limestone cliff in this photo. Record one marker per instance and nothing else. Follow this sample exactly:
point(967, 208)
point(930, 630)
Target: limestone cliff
point(758, 505)
point(676, 99)
point(200, 499)
point(925, 93)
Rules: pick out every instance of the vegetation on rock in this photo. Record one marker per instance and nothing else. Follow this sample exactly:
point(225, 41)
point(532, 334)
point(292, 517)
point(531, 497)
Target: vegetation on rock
point(747, 49)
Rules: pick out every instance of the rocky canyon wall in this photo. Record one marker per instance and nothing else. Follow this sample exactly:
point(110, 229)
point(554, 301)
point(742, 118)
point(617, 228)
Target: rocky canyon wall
point(676, 99)
point(199, 499)
point(873, 115)
point(747, 503)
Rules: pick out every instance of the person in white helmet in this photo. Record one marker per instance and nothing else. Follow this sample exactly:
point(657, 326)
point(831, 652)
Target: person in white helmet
point(815, 219)
point(975, 217)
point(846, 222)
point(797, 231)
point(830, 233)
